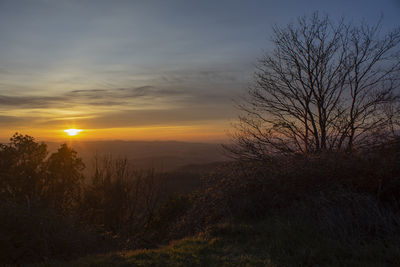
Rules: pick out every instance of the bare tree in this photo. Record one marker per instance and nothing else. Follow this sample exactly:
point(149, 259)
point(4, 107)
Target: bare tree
point(122, 199)
point(326, 86)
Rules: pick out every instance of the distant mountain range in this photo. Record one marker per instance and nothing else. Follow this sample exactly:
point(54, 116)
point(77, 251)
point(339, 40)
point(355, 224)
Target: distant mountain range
point(160, 155)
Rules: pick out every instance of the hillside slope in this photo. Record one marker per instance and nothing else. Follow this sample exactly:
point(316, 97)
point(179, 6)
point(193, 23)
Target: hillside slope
point(273, 242)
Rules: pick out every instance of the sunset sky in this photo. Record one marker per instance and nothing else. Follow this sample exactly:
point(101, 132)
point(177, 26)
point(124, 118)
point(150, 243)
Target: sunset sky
point(141, 70)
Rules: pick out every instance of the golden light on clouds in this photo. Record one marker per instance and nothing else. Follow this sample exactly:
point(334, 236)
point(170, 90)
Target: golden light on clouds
point(72, 132)
point(207, 131)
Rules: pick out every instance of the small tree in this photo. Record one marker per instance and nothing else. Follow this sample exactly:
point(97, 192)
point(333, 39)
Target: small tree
point(326, 86)
point(63, 178)
point(21, 168)
point(121, 199)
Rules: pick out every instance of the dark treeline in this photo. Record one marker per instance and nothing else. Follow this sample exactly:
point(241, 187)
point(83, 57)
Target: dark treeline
point(49, 210)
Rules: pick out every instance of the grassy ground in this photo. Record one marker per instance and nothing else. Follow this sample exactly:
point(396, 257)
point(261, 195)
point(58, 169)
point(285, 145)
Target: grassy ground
point(268, 243)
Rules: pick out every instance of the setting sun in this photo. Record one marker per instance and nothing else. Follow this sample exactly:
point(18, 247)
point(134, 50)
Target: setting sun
point(72, 132)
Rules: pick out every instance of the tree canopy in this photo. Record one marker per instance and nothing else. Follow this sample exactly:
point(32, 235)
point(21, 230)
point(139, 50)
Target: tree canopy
point(27, 173)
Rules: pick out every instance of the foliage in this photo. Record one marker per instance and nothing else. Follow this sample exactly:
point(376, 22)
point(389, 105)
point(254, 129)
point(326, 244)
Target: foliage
point(276, 241)
point(121, 200)
point(166, 217)
point(325, 209)
point(36, 233)
point(63, 178)
point(327, 182)
point(28, 175)
point(36, 193)
point(21, 168)
point(49, 211)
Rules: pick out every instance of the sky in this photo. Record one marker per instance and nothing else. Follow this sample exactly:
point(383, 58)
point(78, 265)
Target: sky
point(142, 70)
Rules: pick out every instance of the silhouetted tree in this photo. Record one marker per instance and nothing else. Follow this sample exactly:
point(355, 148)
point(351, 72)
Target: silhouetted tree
point(63, 178)
point(121, 199)
point(21, 168)
point(27, 175)
point(326, 86)
point(36, 194)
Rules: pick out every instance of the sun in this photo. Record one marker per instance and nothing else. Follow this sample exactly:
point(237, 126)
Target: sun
point(72, 132)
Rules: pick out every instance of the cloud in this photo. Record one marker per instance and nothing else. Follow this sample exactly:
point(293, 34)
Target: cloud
point(7, 121)
point(134, 92)
point(92, 97)
point(143, 106)
point(30, 101)
point(148, 117)
point(121, 98)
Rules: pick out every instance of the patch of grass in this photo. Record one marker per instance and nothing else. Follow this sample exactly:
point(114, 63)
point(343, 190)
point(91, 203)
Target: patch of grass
point(272, 242)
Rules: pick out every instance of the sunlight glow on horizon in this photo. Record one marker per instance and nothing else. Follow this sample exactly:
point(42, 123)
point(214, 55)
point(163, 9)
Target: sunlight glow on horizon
point(72, 132)
point(157, 70)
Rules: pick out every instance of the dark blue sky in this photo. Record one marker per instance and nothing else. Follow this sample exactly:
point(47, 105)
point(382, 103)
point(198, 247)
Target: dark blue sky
point(139, 64)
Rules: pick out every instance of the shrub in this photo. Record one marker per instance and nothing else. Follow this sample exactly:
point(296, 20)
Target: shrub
point(32, 233)
point(363, 185)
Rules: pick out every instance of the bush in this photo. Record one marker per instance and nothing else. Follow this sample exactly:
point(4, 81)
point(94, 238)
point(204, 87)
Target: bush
point(350, 217)
point(167, 215)
point(364, 185)
point(31, 233)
